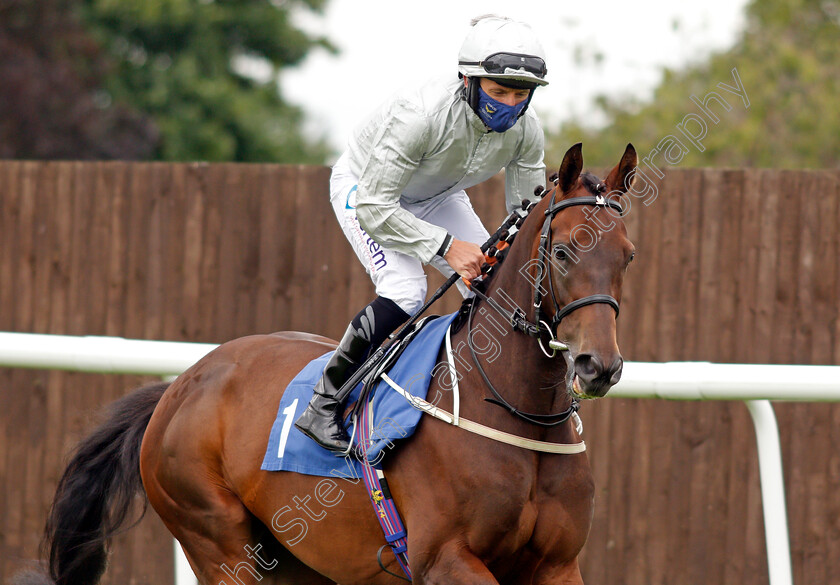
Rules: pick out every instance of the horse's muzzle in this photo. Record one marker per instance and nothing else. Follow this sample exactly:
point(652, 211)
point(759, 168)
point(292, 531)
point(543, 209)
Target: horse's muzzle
point(591, 378)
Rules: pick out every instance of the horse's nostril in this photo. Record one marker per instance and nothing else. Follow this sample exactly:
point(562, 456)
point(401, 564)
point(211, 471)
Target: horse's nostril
point(615, 370)
point(588, 367)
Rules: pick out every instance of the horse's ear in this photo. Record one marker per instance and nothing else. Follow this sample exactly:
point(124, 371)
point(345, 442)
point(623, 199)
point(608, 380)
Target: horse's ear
point(621, 177)
point(570, 168)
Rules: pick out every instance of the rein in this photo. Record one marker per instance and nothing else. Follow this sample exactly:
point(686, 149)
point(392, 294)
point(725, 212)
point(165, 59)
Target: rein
point(518, 319)
point(544, 420)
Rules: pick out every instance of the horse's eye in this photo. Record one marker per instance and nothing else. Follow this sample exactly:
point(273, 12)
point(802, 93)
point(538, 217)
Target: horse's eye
point(560, 253)
point(630, 259)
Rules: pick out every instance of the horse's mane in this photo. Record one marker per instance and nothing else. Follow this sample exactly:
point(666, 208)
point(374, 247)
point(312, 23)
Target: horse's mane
point(464, 309)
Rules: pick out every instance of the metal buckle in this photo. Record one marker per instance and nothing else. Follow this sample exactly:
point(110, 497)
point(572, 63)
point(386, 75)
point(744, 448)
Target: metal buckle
point(516, 318)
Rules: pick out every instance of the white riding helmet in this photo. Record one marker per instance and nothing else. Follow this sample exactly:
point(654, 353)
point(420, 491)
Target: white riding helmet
point(501, 48)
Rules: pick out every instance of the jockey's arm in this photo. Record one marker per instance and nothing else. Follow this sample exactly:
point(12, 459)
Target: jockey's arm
point(465, 258)
point(388, 167)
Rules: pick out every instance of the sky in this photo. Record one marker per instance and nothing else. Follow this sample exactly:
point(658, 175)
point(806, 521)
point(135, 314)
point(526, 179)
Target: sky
point(592, 47)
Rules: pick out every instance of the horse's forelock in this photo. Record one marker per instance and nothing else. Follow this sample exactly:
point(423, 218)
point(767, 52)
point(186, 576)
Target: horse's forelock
point(592, 183)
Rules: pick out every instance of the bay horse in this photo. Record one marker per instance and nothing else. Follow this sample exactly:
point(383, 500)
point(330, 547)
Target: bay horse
point(475, 510)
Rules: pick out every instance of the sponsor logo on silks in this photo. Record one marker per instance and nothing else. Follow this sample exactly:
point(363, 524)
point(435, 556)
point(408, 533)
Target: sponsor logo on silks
point(351, 198)
point(377, 254)
point(373, 252)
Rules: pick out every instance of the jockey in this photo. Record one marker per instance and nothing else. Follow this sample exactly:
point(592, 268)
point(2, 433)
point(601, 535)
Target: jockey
point(398, 190)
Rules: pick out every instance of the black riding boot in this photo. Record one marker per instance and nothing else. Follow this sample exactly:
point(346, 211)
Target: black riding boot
point(322, 420)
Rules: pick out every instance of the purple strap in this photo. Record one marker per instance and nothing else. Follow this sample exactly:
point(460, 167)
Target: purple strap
point(380, 495)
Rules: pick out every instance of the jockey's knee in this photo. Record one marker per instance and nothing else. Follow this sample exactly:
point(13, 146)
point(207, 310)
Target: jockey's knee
point(407, 287)
point(410, 303)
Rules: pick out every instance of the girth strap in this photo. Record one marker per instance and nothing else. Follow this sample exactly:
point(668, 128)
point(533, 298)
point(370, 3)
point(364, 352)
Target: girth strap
point(380, 496)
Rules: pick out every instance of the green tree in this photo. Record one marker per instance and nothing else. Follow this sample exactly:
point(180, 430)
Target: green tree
point(186, 64)
point(788, 59)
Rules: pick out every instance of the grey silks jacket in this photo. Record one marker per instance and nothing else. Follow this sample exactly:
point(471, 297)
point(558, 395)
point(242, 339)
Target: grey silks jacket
point(428, 143)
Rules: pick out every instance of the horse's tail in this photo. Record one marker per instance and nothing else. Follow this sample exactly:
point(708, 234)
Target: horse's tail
point(95, 494)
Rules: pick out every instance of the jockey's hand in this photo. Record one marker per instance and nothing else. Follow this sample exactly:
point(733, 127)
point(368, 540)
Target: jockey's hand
point(465, 258)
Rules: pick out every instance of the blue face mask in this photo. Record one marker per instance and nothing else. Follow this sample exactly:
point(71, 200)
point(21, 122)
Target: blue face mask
point(498, 116)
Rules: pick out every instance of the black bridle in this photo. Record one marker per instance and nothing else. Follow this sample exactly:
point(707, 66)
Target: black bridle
point(542, 260)
point(518, 320)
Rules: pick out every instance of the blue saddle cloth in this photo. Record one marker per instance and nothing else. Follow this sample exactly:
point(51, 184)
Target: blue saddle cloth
point(393, 417)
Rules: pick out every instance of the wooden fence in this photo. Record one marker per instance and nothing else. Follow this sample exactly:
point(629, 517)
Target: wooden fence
point(732, 266)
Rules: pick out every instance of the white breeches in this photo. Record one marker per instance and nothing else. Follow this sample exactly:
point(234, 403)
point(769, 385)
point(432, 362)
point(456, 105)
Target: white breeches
point(395, 275)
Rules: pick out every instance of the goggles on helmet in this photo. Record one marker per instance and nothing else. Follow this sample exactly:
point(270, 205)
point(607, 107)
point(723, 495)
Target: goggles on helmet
point(498, 63)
